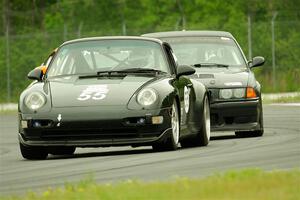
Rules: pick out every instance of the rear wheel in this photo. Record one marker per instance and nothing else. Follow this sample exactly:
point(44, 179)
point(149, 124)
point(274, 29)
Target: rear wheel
point(173, 141)
point(203, 136)
point(62, 150)
point(33, 152)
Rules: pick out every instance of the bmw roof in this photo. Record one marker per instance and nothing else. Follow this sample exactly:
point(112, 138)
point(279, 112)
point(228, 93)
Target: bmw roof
point(188, 33)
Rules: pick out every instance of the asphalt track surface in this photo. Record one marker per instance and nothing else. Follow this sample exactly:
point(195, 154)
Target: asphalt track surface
point(278, 149)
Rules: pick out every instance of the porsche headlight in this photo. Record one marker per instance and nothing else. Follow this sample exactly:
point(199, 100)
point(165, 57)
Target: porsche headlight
point(35, 100)
point(147, 97)
point(236, 93)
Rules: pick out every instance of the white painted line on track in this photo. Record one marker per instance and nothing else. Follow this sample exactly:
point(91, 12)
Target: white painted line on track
point(8, 106)
point(285, 104)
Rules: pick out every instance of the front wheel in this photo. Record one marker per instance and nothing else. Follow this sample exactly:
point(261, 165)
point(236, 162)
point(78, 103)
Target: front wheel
point(173, 141)
point(33, 152)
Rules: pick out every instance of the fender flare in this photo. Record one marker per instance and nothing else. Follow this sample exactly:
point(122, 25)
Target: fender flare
point(195, 116)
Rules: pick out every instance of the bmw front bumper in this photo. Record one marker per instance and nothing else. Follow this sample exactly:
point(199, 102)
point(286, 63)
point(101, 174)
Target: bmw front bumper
point(235, 116)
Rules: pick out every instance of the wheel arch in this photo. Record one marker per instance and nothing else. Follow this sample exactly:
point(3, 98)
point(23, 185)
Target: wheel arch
point(200, 91)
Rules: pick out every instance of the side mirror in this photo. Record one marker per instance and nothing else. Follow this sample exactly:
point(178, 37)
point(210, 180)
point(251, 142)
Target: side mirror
point(257, 61)
point(36, 74)
point(184, 70)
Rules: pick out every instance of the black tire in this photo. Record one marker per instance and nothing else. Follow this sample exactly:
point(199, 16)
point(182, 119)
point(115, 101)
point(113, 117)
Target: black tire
point(33, 152)
point(203, 136)
point(172, 142)
point(62, 150)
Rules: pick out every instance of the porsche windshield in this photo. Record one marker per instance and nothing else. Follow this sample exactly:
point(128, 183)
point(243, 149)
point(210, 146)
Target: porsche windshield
point(206, 50)
point(90, 57)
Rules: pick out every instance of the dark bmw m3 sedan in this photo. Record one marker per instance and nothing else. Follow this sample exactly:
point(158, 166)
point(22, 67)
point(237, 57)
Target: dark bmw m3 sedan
point(220, 64)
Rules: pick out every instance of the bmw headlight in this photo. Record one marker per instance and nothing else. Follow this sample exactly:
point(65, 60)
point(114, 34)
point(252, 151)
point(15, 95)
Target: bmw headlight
point(147, 97)
point(35, 100)
point(236, 93)
point(239, 92)
point(225, 93)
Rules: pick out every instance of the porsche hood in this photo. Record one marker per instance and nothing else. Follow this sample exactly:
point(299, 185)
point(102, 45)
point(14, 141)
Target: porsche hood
point(74, 92)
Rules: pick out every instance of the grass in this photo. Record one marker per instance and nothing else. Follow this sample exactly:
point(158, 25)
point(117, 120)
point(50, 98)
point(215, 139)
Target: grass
point(8, 112)
point(287, 80)
point(245, 184)
point(295, 99)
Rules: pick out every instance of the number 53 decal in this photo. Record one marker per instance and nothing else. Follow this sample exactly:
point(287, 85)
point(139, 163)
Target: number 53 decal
point(95, 92)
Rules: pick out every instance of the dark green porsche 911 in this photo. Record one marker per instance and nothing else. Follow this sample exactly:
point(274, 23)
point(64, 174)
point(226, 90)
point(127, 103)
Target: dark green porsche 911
point(111, 91)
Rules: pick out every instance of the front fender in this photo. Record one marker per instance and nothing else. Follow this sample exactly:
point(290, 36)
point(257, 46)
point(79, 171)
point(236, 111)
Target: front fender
point(42, 87)
point(195, 117)
point(165, 91)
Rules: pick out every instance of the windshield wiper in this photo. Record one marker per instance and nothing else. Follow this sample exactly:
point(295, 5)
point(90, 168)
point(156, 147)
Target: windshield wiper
point(142, 70)
point(105, 73)
point(110, 72)
point(118, 73)
point(210, 65)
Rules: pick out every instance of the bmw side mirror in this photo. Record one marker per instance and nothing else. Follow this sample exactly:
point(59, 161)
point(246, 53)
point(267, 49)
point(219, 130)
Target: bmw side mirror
point(257, 61)
point(184, 70)
point(35, 74)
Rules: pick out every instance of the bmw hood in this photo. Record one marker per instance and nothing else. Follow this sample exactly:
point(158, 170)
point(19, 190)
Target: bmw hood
point(73, 92)
point(220, 78)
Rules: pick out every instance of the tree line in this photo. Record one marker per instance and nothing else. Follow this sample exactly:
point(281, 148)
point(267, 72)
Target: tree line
point(32, 29)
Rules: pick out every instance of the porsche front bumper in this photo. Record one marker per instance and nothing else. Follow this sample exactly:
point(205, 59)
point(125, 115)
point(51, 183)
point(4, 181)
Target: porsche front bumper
point(93, 126)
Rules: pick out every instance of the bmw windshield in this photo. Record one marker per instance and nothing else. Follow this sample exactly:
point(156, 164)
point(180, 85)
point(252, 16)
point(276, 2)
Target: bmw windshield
point(206, 51)
point(92, 57)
